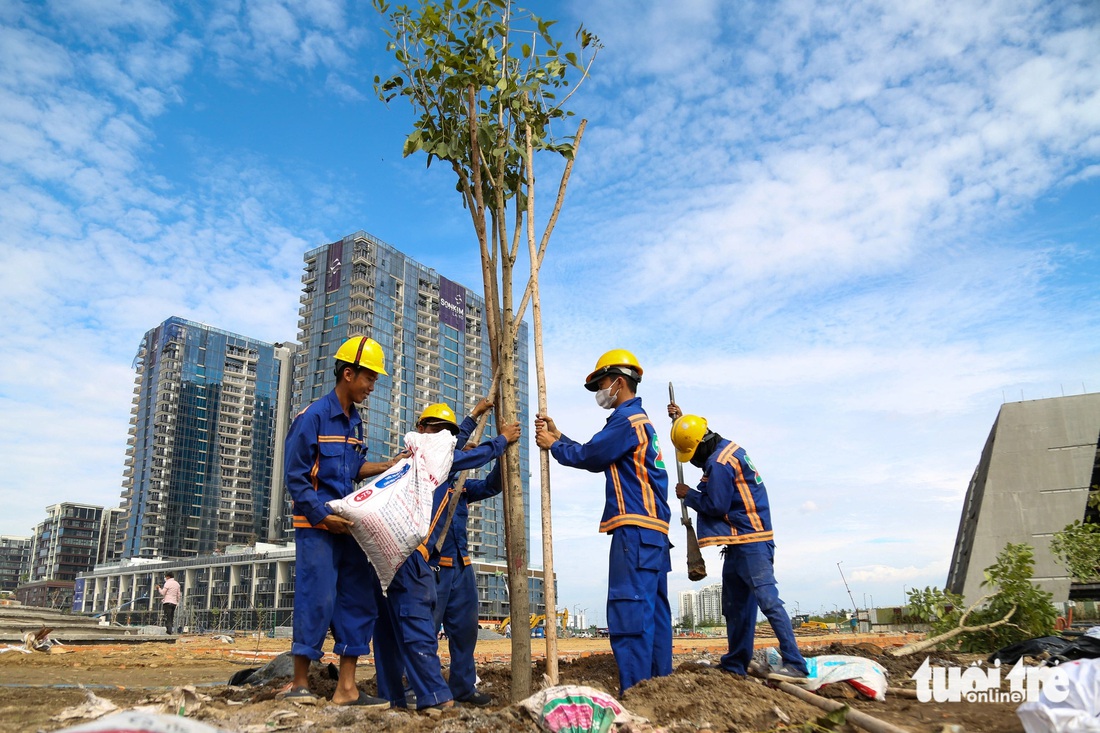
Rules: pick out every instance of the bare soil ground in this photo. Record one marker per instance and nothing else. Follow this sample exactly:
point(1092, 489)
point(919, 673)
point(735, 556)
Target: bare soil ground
point(34, 688)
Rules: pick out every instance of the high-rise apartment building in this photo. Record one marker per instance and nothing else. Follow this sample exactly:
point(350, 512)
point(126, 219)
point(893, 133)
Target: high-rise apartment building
point(15, 561)
point(709, 604)
point(201, 459)
point(109, 535)
point(687, 606)
point(436, 351)
point(66, 542)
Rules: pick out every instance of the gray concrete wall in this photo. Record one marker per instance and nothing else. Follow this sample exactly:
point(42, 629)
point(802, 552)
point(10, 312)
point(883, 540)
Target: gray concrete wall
point(1037, 482)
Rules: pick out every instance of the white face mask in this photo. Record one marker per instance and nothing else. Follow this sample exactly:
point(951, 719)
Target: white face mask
point(605, 399)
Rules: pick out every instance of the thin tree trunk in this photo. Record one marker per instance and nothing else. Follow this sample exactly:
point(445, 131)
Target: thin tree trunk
point(514, 516)
point(549, 590)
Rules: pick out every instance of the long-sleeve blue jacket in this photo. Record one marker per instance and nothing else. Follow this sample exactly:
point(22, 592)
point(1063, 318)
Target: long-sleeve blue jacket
point(324, 452)
point(627, 453)
point(464, 460)
point(454, 551)
point(731, 499)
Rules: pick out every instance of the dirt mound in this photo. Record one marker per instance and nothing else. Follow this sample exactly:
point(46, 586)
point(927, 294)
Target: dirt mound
point(698, 696)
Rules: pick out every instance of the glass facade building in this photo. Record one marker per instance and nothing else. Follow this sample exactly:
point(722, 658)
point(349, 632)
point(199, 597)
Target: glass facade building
point(436, 351)
point(15, 561)
point(201, 454)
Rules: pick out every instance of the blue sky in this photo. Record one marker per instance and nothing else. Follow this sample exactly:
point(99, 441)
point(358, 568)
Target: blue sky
point(846, 232)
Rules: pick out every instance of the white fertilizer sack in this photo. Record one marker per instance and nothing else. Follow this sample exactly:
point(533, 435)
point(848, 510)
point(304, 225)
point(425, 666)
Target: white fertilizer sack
point(392, 513)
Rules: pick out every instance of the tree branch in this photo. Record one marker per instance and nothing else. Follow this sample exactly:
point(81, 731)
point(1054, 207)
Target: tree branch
point(919, 646)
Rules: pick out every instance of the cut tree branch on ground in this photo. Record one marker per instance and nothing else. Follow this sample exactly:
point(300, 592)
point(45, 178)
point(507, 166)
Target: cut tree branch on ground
point(962, 628)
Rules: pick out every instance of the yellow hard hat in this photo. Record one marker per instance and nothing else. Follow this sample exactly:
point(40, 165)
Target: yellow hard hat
point(364, 352)
point(440, 412)
point(687, 432)
point(616, 361)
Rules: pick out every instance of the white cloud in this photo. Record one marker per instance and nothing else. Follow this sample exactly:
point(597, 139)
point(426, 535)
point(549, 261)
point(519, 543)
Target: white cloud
point(895, 575)
point(805, 215)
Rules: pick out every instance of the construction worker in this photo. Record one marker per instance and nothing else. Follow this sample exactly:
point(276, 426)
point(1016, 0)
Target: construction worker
point(406, 642)
point(635, 514)
point(732, 504)
point(335, 583)
point(456, 606)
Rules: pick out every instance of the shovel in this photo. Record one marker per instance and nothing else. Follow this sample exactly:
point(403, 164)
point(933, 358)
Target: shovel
point(697, 567)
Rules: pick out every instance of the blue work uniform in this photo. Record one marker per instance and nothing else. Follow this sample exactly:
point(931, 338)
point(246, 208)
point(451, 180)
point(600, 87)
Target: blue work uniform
point(732, 504)
point(334, 582)
point(636, 514)
point(407, 642)
point(457, 605)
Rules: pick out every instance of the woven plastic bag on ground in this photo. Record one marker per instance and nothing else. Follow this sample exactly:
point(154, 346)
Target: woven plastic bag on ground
point(865, 675)
point(577, 709)
point(1079, 712)
point(390, 516)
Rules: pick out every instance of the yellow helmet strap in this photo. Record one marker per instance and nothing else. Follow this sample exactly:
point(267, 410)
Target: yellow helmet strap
point(704, 449)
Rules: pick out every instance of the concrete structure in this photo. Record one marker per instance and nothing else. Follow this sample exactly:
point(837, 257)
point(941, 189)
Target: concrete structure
point(245, 588)
point(110, 522)
point(431, 330)
point(200, 464)
point(1039, 464)
point(15, 561)
point(71, 628)
point(56, 594)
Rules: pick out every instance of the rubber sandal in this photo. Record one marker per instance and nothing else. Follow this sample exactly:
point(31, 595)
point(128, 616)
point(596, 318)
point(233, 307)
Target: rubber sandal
point(300, 696)
point(366, 701)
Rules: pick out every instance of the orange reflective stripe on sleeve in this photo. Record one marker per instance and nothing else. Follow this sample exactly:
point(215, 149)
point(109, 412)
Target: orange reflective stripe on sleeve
point(618, 487)
point(639, 422)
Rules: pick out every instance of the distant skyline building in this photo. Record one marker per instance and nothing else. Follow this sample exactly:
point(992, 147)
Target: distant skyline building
point(709, 605)
point(67, 542)
point(431, 329)
point(109, 544)
point(686, 602)
point(1039, 466)
point(15, 561)
point(201, 458)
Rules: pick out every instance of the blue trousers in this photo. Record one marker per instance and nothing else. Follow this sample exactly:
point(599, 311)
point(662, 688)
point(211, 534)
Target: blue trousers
point(456, 610)
point(748, 582)
point(334, 586)
point(405, 641)
point(639, 619)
